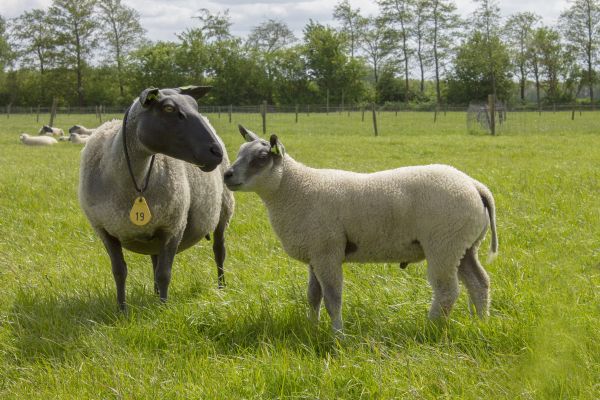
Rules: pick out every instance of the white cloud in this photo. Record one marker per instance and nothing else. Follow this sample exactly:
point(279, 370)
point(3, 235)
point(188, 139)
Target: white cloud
point(163, 19)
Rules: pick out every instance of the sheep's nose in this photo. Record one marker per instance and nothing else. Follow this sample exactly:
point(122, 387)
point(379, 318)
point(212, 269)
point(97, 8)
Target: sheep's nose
point(216, 150)
point(228, 173)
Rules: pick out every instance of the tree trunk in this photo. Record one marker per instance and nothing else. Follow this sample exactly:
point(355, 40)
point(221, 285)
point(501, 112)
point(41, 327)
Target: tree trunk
point(436, 60)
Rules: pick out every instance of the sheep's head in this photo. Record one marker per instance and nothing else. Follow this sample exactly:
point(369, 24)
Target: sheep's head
point(169, 123)
point(258, 164)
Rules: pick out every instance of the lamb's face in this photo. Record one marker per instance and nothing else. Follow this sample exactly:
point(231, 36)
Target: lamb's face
point(256, 166)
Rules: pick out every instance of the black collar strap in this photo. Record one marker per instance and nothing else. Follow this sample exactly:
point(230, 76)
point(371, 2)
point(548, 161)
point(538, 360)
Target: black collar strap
point(124, 134)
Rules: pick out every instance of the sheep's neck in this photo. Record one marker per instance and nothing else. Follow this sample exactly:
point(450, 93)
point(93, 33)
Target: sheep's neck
point(288, 186)
point(140, 159)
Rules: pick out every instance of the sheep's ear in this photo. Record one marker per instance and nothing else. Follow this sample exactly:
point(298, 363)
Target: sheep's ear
point(276, 146)
point(194, 91)
point(248, 135)
point(148, 96)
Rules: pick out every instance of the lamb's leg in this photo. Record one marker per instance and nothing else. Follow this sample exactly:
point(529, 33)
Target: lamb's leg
point(154, 258)
point(476, 280)
point(331, 279)
point(443, 279)
point(164, 265)
point(315, 295)
point(220, 252)
point(119, 267)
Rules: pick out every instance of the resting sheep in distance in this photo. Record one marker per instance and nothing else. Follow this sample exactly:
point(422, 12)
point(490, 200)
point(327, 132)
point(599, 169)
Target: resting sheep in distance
point(81, 130)
point(51, 131)
point(325, 217)
point(166, 153)
point(78, 139)
point(37, 140)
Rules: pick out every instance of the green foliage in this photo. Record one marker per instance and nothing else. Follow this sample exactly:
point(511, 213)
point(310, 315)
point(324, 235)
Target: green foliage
point(61, 335)
point(472, 76)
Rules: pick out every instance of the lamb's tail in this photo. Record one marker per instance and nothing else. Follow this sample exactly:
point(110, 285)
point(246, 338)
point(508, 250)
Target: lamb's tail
point(490, 205)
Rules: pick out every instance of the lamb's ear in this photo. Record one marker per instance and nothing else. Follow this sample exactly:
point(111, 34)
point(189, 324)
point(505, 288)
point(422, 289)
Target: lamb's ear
point(148, 96)
point(276, 146)
point(194, 91)
point(248, 135)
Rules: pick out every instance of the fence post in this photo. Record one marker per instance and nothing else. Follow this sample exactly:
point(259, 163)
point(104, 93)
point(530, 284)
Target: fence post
point(37, 116)
point(230, 110)
point(8, 107)
point(492, 111)
point(53, 111)
point(219, 111)
point(327, 109)
point(363, 113)
point(374, 120)
point(100, 111)
point(573, 113)
point(263, 113)
point(308, 110)
point(435, 111)
point(297, 106)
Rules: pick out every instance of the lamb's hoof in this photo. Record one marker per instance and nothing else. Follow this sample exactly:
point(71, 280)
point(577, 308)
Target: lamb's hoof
point(123, 308)
point(403, 265)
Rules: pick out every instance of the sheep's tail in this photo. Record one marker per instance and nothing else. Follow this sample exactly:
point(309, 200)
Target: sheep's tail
point(490, 205)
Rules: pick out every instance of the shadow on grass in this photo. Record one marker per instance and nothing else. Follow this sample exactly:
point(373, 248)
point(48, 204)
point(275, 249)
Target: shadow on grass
point(51, 325)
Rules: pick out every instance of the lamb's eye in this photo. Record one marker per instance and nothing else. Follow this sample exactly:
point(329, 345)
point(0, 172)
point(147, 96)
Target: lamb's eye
point(168, 109)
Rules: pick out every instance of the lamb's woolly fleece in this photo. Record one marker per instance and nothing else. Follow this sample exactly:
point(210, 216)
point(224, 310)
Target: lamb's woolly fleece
point(78, 139)
point(55, 132)
point(37, 140)
point(81, 130)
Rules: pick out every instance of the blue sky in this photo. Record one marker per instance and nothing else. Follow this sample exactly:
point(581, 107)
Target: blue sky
point(162, 19)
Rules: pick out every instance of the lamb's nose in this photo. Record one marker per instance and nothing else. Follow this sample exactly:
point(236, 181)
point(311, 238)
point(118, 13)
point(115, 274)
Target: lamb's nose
point(228, 174)
point(216, 150)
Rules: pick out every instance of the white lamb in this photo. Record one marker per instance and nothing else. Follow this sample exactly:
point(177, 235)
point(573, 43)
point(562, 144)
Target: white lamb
point(78, 139)
point(37, 140)
point(326, 217)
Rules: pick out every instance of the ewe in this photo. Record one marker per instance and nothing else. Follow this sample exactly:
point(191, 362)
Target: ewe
point(325, 217)
point(171, 151)
point(51, 131)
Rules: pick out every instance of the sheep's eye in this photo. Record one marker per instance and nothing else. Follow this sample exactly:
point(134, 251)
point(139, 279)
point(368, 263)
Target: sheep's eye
point(168, 109)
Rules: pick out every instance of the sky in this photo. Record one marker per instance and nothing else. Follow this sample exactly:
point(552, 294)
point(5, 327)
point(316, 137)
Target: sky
point(162, 19)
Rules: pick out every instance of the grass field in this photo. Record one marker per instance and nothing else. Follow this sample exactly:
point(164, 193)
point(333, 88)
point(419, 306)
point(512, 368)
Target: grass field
point(62, 337)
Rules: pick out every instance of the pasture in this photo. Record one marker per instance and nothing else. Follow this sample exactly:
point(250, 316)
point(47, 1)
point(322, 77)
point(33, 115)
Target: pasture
point(61, 335)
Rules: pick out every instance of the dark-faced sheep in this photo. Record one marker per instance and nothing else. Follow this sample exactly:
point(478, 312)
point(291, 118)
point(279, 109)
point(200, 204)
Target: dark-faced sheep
point(166, 153)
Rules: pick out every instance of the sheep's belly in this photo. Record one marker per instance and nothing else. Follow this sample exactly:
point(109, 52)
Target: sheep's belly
point(384, 252)
point(142, 245)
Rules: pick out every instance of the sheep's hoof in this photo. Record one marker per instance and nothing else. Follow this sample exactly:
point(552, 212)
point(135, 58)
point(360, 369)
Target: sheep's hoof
point(123, 308)
point(403, 265)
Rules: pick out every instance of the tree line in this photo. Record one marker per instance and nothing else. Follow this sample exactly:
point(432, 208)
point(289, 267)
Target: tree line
point(90, 52)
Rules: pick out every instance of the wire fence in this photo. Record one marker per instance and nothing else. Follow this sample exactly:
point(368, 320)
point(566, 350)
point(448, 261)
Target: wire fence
point(367, 119)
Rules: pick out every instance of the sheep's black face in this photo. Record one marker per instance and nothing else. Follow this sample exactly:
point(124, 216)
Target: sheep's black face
point(254, 164)
point(170, 124)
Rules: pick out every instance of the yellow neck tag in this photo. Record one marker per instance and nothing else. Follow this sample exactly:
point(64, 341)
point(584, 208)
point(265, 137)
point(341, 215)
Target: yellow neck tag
point(140, 212)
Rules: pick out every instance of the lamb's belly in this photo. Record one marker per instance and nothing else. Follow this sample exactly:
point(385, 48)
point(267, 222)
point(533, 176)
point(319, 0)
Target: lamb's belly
point(385, 252)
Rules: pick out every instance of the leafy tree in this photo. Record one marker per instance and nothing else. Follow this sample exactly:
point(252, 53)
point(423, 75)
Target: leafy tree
point(378, 42)
point(352, 23)
point(267, 41)
point(76, 27)
point(548, 62)
point(400, 13)
point(215, 27)
point(580, 24)
point(6, 51)
point(328, 64)
point(471, 79)
point(486, 20)
point(422, 13)
point(519, 30)
point(36, 44)
point(123, 33)
point(444, 26)
point(154, 65)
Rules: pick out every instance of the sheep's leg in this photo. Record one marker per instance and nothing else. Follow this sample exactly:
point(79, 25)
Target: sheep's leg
point(330, 277)
point(219, 251)
point(154, 258)
point(163, 269)
point(315, 295)
point(474, 277)
point(443, 279)
point(119, 267)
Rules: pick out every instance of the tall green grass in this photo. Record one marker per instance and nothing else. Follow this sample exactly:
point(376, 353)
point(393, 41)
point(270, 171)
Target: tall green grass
point(61, 335)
